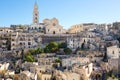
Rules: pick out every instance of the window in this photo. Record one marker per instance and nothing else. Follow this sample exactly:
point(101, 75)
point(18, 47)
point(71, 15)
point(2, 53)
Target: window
point(13, 44)
point(113, 52)
point(29, 39)
point(54, 24)
point(35, 14)
point(20, 43)
point(36, 18)
point(60, 30)
point(13, 40)
point(29, 43)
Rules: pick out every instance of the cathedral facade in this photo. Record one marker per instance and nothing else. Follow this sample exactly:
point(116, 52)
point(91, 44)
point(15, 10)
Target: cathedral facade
point(53, 26)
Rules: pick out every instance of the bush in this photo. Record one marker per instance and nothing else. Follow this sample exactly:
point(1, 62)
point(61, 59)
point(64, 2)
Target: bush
point(35, 51)
point(52, 47)
point(29, 58)
point(67, 50)
point(58, 60)
point(62, 45)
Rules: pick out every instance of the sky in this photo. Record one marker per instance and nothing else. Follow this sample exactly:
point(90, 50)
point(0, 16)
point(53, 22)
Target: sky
point(68, 12)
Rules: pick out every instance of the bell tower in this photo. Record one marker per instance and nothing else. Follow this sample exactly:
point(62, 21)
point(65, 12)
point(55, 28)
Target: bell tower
point(35, 14)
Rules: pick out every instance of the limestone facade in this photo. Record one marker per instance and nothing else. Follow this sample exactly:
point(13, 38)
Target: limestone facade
point(75, 28)
point(24, 40)
point(52, 26)
point(113, 51)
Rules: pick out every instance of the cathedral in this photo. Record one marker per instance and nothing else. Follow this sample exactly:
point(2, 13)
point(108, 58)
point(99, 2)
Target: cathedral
point(48, 26)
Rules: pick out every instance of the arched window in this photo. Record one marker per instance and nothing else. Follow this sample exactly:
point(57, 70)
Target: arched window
point(20, 43)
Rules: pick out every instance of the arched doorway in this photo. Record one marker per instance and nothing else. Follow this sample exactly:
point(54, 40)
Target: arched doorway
point(53, 32)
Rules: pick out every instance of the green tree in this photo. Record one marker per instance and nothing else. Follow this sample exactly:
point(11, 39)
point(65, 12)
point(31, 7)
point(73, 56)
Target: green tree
point(57, 60)
point(29, 58)
point(62, 45)
point(39, 50)
point(67, 50)
point(36, 51)
point(31, 51)
point(51, 47)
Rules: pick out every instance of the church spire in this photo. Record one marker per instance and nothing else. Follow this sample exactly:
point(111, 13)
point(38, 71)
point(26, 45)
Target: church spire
point(35, 14)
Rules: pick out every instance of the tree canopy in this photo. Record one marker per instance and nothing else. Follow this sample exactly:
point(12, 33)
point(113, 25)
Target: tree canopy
point(52, 47)
point(29, 58)
point(67, 50)
point(62, 45)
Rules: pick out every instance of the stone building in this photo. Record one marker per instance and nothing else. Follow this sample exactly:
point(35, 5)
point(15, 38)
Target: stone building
point(24, 40)
point(52, 26)
point(66, 75)
point(75, 28)
point(116, 25)
point(5, 42)
point(113, 51)
point(82, 72)
point(5, 30)
point(89, 26)
point(47, 38)
point(74, 60)
point(75, 41)
point(114, 65)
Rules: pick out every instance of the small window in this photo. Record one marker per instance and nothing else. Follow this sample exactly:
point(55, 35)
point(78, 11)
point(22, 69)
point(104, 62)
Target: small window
point(60, 30)
point(13, 40)
point(20, 43)
point(13, 44)
point(113, 52)
point(29, 43)
point(36, 18)
point(35, 14)
point(54, 24)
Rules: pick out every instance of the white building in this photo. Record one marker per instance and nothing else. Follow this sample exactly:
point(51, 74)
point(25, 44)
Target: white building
point(4, 66)
point(113, 52)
